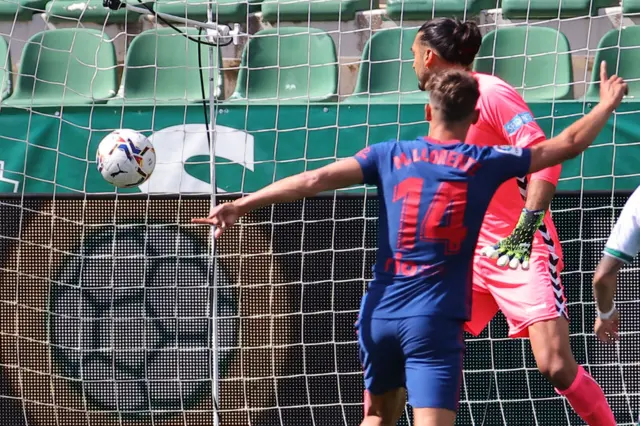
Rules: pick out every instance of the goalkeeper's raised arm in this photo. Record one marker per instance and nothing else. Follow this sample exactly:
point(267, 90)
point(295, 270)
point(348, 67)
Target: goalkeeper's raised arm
point(545, 155)
point(577, 137)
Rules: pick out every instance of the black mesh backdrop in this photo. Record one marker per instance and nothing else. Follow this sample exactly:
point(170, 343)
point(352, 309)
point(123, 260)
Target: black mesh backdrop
point(106, 314)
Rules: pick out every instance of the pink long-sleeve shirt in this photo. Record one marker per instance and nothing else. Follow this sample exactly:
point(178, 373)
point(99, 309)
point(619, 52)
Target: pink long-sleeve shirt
point(505, 119)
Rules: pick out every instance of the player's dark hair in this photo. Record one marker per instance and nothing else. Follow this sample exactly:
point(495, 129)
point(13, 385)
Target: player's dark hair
point(454, 94)
point(455, 41)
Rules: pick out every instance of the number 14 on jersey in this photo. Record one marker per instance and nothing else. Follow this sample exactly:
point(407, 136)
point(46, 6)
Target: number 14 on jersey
point(444, 218)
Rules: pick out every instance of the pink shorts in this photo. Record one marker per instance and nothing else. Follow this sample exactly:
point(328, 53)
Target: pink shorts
point(524, 297)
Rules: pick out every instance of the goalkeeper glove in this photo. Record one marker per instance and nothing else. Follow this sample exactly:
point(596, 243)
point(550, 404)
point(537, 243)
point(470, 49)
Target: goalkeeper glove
point(515, 250)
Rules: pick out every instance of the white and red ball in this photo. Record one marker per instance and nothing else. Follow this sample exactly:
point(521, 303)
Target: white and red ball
point(125, 158)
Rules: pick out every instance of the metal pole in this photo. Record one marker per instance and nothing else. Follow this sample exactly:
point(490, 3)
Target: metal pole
point(214, 33)
point(209, 25)
point(213, 82)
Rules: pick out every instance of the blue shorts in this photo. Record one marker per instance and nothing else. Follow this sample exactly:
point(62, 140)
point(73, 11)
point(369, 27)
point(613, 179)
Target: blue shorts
point(422, 354)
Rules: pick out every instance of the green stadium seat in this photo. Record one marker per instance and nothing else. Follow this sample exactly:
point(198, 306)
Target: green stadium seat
point(549, 9)
point(630, 6)
point(534, 60)
point(427, 9)
point(225, 11)
point(91, 11)
point(386, 72)
point(162, 67)
point(65, 67)
point(621, 50)
point(22, 10)
point(314, 10)
point(5, 69)
point(288, 64)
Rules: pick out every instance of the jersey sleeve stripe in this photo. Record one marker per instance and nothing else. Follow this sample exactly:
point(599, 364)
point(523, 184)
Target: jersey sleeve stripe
point(618, 255)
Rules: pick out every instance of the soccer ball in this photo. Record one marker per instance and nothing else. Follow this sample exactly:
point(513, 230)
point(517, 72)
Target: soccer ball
point(125, 158)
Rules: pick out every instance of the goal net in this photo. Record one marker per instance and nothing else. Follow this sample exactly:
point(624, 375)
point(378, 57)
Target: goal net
point(116, 310)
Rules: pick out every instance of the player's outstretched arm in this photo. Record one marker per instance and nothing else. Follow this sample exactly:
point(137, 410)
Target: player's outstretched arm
point(577, 137)
point(333, 176)
point(605, 281)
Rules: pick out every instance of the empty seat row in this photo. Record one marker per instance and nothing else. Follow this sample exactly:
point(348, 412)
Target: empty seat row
point(534, 60)
point(511, 9)
point(225, 11)
point(78, 66)
point(228, 11)
point(549, 9)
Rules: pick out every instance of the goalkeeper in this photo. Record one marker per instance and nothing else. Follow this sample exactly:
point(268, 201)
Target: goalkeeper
point(525, 281)
point(434, 193)
point(623, 245)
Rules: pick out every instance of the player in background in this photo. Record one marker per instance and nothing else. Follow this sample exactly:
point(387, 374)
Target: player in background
point(434, 193)
point(623, 245)
point(525, 281)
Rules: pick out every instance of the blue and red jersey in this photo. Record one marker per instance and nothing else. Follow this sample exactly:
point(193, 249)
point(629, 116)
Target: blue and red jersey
point(433, 198)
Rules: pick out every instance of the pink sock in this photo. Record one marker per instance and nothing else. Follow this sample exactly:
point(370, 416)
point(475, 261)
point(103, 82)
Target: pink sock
point(588, 400)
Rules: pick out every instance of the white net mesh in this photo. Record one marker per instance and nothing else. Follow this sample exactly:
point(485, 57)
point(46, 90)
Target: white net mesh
point(109, 301)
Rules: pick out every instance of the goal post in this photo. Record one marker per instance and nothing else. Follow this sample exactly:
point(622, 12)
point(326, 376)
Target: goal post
point(116, 311)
